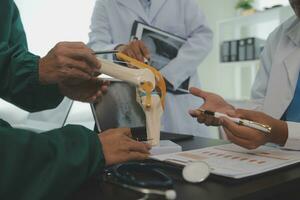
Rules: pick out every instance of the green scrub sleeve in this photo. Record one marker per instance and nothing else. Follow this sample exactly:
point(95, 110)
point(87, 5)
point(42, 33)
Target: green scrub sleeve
point(45, 166)
point(19, 77)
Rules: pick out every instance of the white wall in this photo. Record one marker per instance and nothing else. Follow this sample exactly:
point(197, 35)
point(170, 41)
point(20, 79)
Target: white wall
point(47, 22)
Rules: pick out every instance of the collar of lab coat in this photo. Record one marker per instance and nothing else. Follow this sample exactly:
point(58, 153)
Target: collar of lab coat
point(136, 7)
point(294, 31)
point(291, 62)
point(285, 73)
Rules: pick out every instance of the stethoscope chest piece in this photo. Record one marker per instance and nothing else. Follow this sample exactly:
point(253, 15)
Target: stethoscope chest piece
point(196, 172)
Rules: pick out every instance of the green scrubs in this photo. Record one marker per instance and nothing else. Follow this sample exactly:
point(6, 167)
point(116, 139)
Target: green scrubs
point(37, 166)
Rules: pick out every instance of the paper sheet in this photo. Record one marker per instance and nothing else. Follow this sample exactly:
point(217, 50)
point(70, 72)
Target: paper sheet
point(232, 161)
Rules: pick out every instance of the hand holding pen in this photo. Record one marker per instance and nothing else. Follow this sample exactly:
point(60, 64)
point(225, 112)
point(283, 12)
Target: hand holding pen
point(275, 131)
point(212, 102)
point(266, 129)
point(215, 102)
point(253, 137)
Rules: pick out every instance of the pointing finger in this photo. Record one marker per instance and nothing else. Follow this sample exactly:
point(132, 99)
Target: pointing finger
point(199, 93)
point(194, 113)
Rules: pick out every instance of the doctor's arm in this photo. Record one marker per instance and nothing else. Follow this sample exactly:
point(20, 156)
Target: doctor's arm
point(293, 140)
point(284, 134)
point(100, 38)
point(19, 82)
point(52, 165)
point(194, 51)
point(251, 138)
point(35, 83)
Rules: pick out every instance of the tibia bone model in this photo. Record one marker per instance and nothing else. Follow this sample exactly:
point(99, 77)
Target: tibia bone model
point(153, 117)
point(147, 97)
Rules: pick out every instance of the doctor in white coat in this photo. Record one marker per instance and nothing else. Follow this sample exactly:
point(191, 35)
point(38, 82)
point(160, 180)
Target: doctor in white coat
point(111, 26)
point(276, 92)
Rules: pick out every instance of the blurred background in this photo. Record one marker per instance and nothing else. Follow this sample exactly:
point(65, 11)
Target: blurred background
point(48, 21)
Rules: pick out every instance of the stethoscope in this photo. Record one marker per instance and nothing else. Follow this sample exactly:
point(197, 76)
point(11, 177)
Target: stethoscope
point(124, 176)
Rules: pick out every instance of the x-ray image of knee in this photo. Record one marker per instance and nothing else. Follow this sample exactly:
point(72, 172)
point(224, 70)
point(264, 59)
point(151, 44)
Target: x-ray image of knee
point(162, 48)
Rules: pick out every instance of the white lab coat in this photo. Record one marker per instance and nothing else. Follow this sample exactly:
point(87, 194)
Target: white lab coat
point(277, 77)
point(111, 25)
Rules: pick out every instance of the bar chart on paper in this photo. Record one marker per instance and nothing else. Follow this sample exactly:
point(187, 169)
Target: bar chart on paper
point(232, 161)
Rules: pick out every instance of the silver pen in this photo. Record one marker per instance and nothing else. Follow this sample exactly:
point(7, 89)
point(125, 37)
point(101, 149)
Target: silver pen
point(251, 124)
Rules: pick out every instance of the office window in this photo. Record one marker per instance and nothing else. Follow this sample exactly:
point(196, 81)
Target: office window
point(49, 21)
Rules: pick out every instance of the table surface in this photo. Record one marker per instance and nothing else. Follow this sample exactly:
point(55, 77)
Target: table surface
point(279, 184)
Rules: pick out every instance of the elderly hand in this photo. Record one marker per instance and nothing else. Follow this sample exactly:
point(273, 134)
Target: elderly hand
point(86, 91)
point(212, 102)
point(251, 138)
point(118, 146)
point(72, 61)
point(135, 49)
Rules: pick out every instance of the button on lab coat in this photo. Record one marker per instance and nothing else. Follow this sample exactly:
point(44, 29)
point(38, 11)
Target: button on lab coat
point(111, 25)
point(277, 77)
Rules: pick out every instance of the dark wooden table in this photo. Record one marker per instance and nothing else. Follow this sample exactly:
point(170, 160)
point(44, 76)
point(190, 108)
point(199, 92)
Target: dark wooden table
point(279, 184)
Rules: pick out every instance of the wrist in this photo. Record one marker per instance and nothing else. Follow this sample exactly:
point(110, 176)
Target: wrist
point(279, 133)
point(46, 76)
point(42, 72)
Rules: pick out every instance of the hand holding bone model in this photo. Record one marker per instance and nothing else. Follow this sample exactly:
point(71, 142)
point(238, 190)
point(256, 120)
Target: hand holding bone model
point(150, 89)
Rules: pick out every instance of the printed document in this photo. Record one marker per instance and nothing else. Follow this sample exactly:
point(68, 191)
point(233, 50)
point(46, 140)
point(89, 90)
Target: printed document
point(232, 161)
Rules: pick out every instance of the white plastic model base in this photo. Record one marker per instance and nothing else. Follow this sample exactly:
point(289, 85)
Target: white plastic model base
point(165, 147)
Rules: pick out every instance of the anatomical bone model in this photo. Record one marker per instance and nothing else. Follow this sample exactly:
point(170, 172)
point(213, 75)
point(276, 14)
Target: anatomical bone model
point(150, 90)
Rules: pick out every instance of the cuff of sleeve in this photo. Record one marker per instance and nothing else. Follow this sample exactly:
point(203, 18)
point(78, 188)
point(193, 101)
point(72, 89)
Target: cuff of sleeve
point(50, 91)
point(98, 154)
point(86, 149)
point(31, 95)
point(293, 141)
point(172, 80)
point(94, 152)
